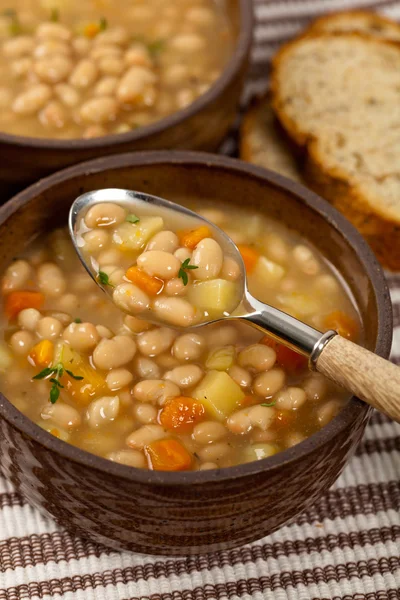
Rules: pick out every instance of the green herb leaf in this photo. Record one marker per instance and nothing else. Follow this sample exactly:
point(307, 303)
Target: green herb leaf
point(77, 377)
point(55, 15)
point(104, 279)
point(11, 13)
point(56, 382)
point(103, 23)
point(268, 404)
point(78, 320)
point(182, 271)
point(45, 373)
point(54, 394)
point(132, 218)
point(156, 47)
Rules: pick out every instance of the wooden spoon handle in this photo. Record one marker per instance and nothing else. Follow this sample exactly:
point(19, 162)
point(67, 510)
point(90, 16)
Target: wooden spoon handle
point(369, 377)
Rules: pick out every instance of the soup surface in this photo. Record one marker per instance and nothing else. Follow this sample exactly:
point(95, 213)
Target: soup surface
point(162, 265)
point(151, 397)
point(72, 69)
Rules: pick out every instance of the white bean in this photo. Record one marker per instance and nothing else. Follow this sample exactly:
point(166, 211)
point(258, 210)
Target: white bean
point(108, 50)
point(61, 414)
point(82, 337)
point(174, 310)
point(155, 391)
point(131, 298)
point(208, 466)
point(136, 325)
point(240, 375)
point(81, 45)
point(52, 47)
point(131, 458)
point(84, 75)
point(99, 110)
point(68, 302)
point(327, 411)
point(257, 357)
point(110, 65)
point(175, 287)
point(183, 254)
point(147, 368)
point(67, 95)
point(48, 328)
point(32, 100)
point(164, 241)
point(145, 413)
point(53, 30)
point(244, 420)
point(159, 264)
point(290, 398)
point(28, 318)
point(230, 269)
point(189, 43)
point(189, 346)
point(208, 257)
point(101, 411)
point(144, 436)
point(222, 335)
point(156, 341)
point(21, 67)
point(118, 378)
point(53, 69)
point(267, 384)
point(16, 47)
point(104, 332)
point(108, 257)
point(53, 115)
point(137, 87)
point(106, 86)
point(94, 131)
point(110, 354)
point(214, 452)
point(21, 342)
point(305, 260)
point(16, 276)
point(137, 55)
point(209, 431)
point(51, 280)
point(112, 35)
point(186, 376)
point(315, 387)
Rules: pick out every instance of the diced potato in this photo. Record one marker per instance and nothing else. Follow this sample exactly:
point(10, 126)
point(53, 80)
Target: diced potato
point(215, 296)
point(83, 390)
point(267, 273)
point(221, 359)
point(219, 394)
point(300, 305)
point(133, 236)
point(258, 451)
point(5, 358)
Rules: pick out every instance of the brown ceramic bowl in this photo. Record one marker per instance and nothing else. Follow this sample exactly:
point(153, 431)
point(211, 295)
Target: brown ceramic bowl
point(188, 512)
point(200, 126)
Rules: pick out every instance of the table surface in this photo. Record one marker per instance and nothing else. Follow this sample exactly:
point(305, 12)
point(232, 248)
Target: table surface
point(346, 546)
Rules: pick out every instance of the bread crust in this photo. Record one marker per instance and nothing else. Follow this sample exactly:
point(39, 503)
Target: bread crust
point(378, 24)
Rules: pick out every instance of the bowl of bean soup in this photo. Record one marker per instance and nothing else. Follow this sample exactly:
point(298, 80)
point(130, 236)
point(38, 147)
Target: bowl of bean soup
point(146, 438)
point(83, 79)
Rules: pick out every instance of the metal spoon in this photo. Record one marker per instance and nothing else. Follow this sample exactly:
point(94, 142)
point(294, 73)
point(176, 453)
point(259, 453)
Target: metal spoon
point(371, 378)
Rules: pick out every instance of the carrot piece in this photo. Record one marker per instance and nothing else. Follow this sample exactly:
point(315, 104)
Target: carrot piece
point(17, 301)
point(42, 354)
point(345, 325)
point(151, 285)
point(191, 238)
point(168, 455)
point(91, 30)
point(250, 257)
point(181, 414)
point(291, 361)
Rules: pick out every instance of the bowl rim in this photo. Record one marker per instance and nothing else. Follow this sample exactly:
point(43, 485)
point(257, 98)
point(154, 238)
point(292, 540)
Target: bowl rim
point(240, 52)
point(201, 159)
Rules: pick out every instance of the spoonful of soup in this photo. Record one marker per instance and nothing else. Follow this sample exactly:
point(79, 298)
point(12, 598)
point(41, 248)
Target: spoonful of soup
point(170, 266)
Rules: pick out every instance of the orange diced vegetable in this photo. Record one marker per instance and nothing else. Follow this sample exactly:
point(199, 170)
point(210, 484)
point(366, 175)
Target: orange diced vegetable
point(91, 30)
point(346, 326)
point(290, 360)
point(91, 382)
point(284, 419)
point(42, 354)
point(17, 301)
point(181, 414)
point(168, 455)
point(249, 401)
point(250, 257)
point(151, 285)
point(191, 238)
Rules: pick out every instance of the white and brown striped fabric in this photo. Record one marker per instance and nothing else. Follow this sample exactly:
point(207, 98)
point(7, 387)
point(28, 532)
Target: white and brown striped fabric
point(346, 547)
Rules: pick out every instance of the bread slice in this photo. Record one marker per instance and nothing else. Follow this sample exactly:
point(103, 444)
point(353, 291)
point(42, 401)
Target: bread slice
point(361, 21)
point(264, 143)
point(338, 97)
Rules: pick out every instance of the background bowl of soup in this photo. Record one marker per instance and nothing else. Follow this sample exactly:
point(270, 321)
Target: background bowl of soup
point(79, 81)
point(196, 511)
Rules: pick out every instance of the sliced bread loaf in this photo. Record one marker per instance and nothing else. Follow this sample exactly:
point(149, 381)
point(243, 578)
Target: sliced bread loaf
point(264, 143)
point(361, 21)
point(338, 97)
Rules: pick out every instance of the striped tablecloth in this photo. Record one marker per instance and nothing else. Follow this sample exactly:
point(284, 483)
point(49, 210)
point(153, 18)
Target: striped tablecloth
point(346, 546)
